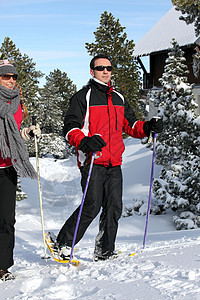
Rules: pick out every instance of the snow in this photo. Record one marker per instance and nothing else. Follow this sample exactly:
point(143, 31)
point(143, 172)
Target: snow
point(168, 267)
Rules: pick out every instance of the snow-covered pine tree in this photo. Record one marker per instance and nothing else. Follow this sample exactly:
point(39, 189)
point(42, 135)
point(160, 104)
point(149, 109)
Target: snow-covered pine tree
point(178, 147)
point(176, 105)
point(178, 187)
point(61, 85)
point(49, 114)
point(52, 103)
point(111, 39)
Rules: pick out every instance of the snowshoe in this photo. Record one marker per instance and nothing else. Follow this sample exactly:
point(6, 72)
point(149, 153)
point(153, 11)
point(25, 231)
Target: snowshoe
point(60, 255)
point(112, 255)
point(6, 275)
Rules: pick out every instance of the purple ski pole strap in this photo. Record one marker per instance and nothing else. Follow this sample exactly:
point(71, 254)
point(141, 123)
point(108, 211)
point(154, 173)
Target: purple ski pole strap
point(81, 207)
point(150, 188)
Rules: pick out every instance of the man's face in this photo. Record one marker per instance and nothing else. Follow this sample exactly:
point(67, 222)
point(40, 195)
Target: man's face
point(104, 75)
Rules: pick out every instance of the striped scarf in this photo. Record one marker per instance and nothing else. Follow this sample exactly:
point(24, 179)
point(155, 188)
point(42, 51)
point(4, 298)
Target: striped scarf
point(11, 143)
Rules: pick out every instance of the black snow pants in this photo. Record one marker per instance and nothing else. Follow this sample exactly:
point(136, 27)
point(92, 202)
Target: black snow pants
point(8, 185)
point(104, 191)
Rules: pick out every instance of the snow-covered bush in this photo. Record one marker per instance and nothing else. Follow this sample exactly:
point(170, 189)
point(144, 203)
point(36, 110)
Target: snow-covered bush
point(20, 195)
point(54, 145)
point(186, 220)
point(139, 207)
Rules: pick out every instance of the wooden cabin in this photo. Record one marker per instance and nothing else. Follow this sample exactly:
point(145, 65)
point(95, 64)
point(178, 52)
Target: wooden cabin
point(156, 45)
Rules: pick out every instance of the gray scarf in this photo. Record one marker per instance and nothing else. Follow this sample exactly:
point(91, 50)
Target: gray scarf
point(11, 142)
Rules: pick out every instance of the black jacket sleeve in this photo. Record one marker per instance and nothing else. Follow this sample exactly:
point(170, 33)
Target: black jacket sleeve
point(129, 114)
point(75, 115)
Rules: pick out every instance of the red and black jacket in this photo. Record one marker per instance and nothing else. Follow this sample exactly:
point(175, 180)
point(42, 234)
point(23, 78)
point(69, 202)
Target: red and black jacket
point(92, 113)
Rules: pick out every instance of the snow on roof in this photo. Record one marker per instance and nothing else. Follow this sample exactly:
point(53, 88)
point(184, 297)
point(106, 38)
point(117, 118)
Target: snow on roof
point(160, 36)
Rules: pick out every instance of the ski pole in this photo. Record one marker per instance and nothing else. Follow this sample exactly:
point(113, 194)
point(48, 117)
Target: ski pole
point(81, 207)
point(39, 188)
point(150, 188)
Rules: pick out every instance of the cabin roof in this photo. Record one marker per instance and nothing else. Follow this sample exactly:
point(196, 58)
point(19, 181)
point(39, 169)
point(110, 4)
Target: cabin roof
point(159, 38)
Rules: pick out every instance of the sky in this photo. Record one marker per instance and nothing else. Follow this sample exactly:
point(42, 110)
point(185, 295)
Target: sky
point(54, 32)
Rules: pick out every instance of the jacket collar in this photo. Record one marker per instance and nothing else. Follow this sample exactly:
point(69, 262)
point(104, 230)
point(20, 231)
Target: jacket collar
point(99, 84)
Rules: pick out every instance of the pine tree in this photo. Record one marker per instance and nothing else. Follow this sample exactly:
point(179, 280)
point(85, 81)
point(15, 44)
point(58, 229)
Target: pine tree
point(28, 76)
point(49, 114)
point(111, 39)
point(178, 147)
point(62, 86)
point(52, 103)
point(190, 8)
point(176, 105)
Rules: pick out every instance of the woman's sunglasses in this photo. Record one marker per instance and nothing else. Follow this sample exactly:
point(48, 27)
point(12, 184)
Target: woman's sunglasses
point(101, 68)
point(7, 77)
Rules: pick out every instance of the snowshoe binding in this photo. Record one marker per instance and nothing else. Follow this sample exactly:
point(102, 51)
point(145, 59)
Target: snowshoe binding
point(61, 255)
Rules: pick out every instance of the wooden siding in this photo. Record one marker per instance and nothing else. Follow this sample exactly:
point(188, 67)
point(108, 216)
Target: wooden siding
point(157, 63)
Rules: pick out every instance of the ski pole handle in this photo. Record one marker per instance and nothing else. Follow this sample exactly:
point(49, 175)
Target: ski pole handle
point(34, 120)
point(33, 123)
point(152, 133)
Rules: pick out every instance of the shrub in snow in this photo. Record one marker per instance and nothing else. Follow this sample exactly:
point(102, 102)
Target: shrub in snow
point(128, 211)
point(187, 220)
point(139, 207)
point(135, 208)
point(54, 145)
point(20, 195)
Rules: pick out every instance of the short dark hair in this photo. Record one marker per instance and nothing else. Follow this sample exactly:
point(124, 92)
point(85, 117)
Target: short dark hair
point(97, 57)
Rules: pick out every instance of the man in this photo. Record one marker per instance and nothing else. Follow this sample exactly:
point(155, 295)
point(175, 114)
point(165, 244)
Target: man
point(94, 123)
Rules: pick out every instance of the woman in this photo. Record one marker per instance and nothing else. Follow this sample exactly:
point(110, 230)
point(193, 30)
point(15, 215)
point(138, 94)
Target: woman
point(13, 159)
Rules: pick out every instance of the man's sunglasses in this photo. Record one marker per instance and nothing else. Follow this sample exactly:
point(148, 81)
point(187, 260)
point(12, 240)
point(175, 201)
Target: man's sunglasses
point(7, 77)
point(101, 68)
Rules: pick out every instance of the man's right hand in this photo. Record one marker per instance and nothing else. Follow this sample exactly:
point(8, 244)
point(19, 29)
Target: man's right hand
point(93, 143)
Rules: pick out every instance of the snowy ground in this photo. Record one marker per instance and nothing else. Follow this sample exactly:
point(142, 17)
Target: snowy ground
point(168, 267)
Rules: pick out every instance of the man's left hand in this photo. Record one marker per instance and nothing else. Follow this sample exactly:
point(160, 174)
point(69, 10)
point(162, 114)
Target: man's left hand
point(154, 125)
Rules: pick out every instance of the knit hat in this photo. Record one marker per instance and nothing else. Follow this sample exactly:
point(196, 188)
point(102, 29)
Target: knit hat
point(6, 67)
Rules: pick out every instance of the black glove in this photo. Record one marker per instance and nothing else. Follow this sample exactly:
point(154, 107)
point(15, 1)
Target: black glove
point(93, 143)
point(154, 125)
